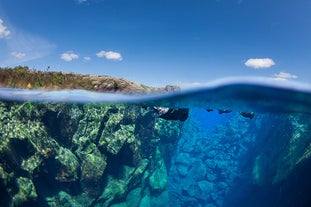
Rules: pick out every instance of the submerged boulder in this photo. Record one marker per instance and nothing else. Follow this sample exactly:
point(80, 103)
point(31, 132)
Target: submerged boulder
point(26, 192)
point(67, 166)
point(133, 197)
point(92, 168)
point(158, 179)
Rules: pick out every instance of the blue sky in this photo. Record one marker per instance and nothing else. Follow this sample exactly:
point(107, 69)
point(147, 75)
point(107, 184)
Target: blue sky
point(159, 42)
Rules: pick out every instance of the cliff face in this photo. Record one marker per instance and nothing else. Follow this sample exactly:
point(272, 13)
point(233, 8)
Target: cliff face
point(83, 155)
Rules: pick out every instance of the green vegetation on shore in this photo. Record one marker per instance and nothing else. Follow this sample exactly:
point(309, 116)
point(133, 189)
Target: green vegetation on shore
point(23, 77)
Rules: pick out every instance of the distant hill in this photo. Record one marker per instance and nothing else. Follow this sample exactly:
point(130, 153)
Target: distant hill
point(23, 77)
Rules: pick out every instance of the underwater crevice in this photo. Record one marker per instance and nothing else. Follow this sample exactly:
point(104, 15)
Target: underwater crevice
point(115, 162)
point(44, 179)
point(101, 129)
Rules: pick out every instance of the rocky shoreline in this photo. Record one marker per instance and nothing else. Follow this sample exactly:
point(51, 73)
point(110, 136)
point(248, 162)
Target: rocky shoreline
point(23, 77)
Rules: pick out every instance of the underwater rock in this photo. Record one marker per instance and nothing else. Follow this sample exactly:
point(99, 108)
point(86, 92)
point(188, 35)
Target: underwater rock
point(26, 192)
point(206, 161)
point(114, 142)
point(197, 170)
point(145, 201)
point(92, 169)
point(184, 159)
point(64, 199)
point(162, 200)
point(211, 177)
point(158, 179)
point(115, 189)
point(4, 176)
point(115, 134)
point(31, 163)
point(5, 186)
point(206, 187)
point(168, 131)
point(133, 197)
point(119, 205)
point(182, 170)
point(119, 184)
point(67, 166)
point(152, 200)
point(91, 122)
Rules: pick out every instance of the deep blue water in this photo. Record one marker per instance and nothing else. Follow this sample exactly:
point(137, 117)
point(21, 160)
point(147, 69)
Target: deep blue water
point(227, 159)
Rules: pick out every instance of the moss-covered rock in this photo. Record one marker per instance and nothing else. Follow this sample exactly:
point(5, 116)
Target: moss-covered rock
point(158, 178)
point(67, 166)
point(26, 192)
point(92, 169)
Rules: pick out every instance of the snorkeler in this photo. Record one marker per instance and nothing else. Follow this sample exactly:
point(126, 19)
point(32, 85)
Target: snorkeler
point(180, 114)
point(249, 115)
point(224, 111)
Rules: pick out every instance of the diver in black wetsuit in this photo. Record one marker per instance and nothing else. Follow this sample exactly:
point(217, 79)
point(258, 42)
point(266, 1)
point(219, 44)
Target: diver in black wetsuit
point(180, 114)
point(224, 111)
point(249, 115)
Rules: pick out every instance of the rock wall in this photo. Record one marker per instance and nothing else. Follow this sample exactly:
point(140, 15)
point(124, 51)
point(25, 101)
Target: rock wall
point(83, 155)
point(262, 161)
point(207, 161)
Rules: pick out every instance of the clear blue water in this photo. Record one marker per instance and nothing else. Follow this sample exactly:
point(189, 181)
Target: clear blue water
point(222, 159)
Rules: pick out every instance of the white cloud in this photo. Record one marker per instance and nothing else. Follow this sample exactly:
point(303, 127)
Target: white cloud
point(87, 58)
point(109, 55)
point(18, 55)
point(284, 76)
point(69, 56)
point(4, 32)
point(259, 63)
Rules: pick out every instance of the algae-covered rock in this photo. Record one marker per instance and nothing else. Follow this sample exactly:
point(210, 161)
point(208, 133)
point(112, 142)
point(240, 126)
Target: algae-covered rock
point(31, 163)
point(118, 186)
point(92, 168)
point(115, 189)
point(65, 200)
point(26, 192)
point(168, 131)
point(115, 141)
point(92, 121)
point(158, 179)
point(5, 177)
point(114, 135)
point(67, 166)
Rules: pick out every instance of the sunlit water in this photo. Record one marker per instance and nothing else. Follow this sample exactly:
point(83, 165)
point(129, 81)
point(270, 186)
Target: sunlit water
point(218, 159)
